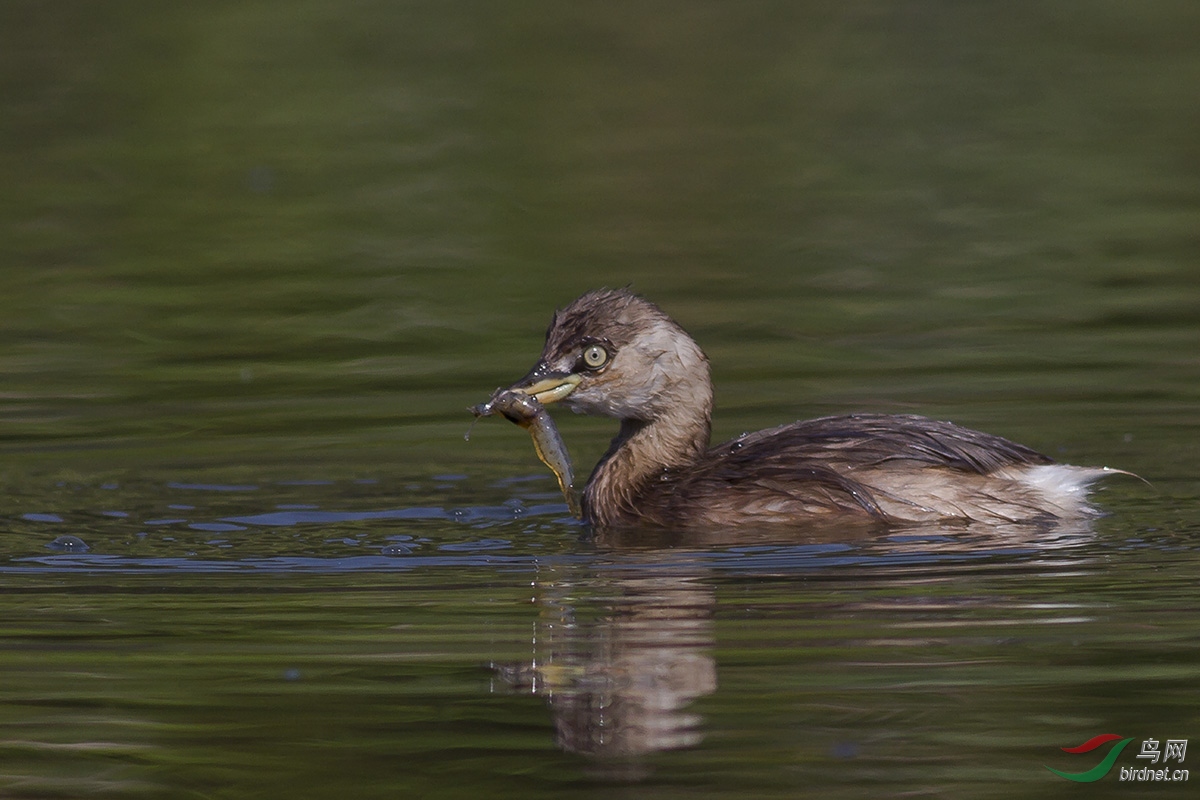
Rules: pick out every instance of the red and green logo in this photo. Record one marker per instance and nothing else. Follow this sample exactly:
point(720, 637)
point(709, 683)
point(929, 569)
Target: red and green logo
point(1100, 770)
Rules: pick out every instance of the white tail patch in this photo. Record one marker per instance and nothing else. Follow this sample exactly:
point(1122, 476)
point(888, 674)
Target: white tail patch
point(1062, 485)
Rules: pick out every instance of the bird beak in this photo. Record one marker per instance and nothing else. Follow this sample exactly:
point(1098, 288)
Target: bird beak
point(546, 385)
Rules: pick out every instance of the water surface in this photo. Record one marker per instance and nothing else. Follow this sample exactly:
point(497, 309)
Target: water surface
point(259, 258)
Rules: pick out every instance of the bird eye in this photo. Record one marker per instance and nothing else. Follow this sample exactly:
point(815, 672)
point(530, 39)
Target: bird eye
point(595, 356)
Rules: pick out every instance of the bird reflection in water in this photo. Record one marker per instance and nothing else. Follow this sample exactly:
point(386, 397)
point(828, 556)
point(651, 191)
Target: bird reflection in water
point(621, 648)
point(619, 658)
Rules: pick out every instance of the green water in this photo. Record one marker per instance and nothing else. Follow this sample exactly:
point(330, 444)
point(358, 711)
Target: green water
point(257, 258)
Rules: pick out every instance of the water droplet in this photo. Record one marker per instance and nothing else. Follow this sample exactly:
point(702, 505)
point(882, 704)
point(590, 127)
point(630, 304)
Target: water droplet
point(69, 544)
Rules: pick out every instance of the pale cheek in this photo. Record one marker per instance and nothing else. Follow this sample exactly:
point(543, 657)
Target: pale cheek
point(588, 401)
point(597, 401)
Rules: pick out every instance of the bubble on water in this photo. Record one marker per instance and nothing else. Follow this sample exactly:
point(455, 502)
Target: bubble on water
point(69, 544)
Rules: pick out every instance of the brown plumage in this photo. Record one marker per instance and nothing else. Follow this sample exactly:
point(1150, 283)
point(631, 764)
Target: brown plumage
point(612, 353)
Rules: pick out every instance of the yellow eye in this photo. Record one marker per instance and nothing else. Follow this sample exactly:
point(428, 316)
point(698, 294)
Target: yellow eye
point(594, 356)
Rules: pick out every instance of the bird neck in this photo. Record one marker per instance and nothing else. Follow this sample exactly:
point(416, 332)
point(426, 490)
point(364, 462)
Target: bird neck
point(644, 452)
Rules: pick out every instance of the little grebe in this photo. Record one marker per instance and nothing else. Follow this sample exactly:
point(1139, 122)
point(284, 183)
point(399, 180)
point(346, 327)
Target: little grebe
point(613, 354)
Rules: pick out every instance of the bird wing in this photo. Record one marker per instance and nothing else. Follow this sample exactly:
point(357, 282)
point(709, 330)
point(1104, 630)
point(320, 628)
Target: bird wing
point(859, 462)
